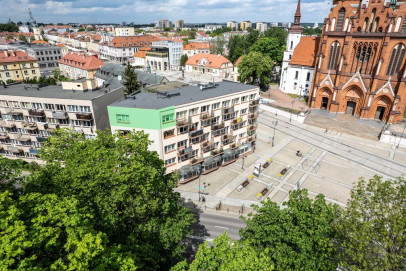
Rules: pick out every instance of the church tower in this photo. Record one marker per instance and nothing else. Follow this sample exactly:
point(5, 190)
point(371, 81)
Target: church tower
point(294, 35)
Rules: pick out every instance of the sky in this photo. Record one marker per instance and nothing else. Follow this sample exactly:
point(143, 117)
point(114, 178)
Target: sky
point(148, 11)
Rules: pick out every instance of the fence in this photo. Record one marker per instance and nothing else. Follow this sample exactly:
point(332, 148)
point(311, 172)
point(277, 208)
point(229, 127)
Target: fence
point(286, 112)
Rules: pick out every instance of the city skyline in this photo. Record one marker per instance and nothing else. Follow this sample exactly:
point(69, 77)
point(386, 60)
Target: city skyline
point(145, 12)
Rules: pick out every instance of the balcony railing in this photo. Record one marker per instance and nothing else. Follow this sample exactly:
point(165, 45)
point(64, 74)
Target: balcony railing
point(206, 116)
point(227, 110)
point(254, 103)
point(252, 128)
point(217, 126)
point(196, 134)
point(252, 116)
point(36, 113)
point(84, 116)
point(4, 136)
point(183, 122)
point(185, 151)
point(60, 115)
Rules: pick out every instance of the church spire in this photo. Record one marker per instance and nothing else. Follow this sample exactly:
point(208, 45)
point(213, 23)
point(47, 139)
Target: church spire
point(296, 26)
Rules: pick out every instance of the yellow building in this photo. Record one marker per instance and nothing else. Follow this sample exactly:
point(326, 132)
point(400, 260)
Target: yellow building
point(245, 24)
point(17, 66)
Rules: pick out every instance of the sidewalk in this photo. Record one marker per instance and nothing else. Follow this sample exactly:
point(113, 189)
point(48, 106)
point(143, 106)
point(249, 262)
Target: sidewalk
point(284, 100)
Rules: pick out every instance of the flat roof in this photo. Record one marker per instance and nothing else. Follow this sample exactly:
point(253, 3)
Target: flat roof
point(51, 92)
point(187, 95)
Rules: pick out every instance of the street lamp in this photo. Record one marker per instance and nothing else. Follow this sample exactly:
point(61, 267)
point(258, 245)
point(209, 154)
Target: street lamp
point(274, 127)
point(199, 183)
point(293, 102)
point(243, 158)
point(400, 139)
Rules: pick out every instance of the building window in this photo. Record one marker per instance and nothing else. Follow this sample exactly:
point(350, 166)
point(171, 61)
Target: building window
point(182, 143)
point(396, 60)
point(73, 108)
point(168, 118)
point(215, 106)
point(169, 148)
point(308, 76)
point(60, 107)
point(169, 162)
point(296, 74)
point(333, 58)
point(181, 115)
point(123, 118)
point(235, 101)
point(291, 45)
point(169, 133)
point(404, 26)
point(193, 111)
point(36, 106)
point(204, 108)
point(295, 86)
point(244, 98)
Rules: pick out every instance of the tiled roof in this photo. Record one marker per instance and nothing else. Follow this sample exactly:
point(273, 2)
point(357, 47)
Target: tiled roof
point(196, 46)
point(40, 42)
point(305, 52)
point(15, 56)
point(142, 52)
point(213, 61)
point(81, 61)
point(238, 61)
point(58, 26)
point(133, 41)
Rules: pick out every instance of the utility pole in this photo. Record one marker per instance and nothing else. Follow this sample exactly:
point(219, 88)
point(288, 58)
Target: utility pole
point(293, 102)
point(274, 127)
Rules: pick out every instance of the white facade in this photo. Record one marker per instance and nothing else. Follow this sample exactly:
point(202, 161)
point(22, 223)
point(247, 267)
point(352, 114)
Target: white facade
point(232, 24)
point(297, 80)
point(124, 31)
point(179, 24)
point(262, 27)
point(175, 52)
point(291, 43)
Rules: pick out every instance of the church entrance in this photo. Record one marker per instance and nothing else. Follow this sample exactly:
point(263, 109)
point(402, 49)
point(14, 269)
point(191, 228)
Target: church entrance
point(380, 111)
point(351, 107)
point(324, 103)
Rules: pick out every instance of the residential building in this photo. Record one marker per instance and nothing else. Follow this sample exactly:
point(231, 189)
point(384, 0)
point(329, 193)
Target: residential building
point(38, 32)
point(17, 66)
point(122, 49)
point(29, 114)
point(193, 48)
point(24, 28)
point(299, 60)
point(180, 24)
point(140, 57)
point(111, 72)
point(233, 25)
point(360, 68)
point(215, 65)
point(262, 27)
point(244, 25)
point(58, 28)
point(194, 129)
point(236, 73)
point(75, 66)
point(124, 31)
point(163, 24)
point(164, 55)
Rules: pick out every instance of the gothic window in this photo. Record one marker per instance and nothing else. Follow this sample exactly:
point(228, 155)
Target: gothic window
point(333, 24)
point(398, 22)
point(364, 26)
point(376, 23)
point(404, 26)
point(372, 20)
point(396, 60)
point(340, 19)
point(334, 52)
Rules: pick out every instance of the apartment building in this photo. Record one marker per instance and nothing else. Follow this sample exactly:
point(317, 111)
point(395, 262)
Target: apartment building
point(124, 31)
point(262, 27)
point(244, 25)
point(29, 114)
point(174, 50)
point(233, 25)
point(180, 24)
point(74, 66)
point(17, 66)
point(193, 48)
point(215, 65)
point(195, 129)
point(163, 23)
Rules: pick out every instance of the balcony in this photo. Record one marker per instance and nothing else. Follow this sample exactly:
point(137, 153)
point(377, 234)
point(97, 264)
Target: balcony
point(60, 115)
point(84, 116)
point(252, 116)
point(183, 122)
point(4, 136)
point(7, 125)
point(254, 103)
point(196, 161)
point(208, 146)
point(196, 134)
point(217, 127)
point(206, 116)
point(251, 138)
point(36, 113)
point(227, 110)
point(252, 128)
point(185, 151)
point(41, 139)
point(227, 139)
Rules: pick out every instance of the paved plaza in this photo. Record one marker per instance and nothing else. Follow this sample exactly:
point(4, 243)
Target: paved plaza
point(331, 162)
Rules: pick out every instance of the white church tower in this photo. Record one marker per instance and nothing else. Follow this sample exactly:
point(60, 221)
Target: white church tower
point(295, 33)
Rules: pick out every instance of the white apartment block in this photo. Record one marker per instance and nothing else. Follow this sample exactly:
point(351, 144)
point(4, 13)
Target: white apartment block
point(233, 25)
point(175, 52)
point(29, 114)
point(262, 27)
point(195, 129)
point(179, 24)
point(124, 31)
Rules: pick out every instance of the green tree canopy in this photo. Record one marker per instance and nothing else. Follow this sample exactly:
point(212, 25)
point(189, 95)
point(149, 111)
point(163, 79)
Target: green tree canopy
point(9, 27)
point(255, 68)
point(192, 35)
point(130, 80)
point(279, 33)
point(22, 37)
point(10, 173)
point(299, 237)
point(124, 187)
point(269, 47)
point(373, 226)
point(228, 255)
point(218, 45)
point(183, 59)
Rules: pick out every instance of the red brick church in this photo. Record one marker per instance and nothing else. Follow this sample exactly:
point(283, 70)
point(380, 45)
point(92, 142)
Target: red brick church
point(360, 65)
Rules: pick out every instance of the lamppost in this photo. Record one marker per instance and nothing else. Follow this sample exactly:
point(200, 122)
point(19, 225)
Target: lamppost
point(300, 93)
point(400, 139)
point(199, 183)
point(274, 127)
point(293, 102)
point(243, 159)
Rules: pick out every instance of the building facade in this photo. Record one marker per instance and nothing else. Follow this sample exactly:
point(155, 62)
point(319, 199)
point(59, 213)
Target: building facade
point(77, 66)
point(124, 31)
point(233, 25)
point(244, 25)
point(194, 129)
point(17, 66)
point(173, 49)
point(215, 65)
point(262, 27)
point(29, 114)
point(360, 67)
point(193, 48)
point(180, 24)
point(47, 57)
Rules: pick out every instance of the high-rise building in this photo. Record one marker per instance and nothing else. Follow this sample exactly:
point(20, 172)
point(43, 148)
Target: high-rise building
point(179, 24)
point(262, 27)
point(233, 25)
point(360, 67)
point(245, 24)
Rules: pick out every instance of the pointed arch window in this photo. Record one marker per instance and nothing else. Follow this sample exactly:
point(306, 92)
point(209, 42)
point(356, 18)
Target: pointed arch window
point(404, 26)
point(396, 60)
point(340, 19)
point(333, 57)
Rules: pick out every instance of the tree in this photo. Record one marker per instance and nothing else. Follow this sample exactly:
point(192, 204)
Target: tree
point(279, 33)
point(255, 68)
point(218, 44)
point(227, 255)
point(124, 187)
point(22, 37)
point(192, 35)
point(183, 59)
point(90, 28)
point(10, 173)
point(299, 237)
point(81, 29)
point(130, 80)
point(9, 27)
point(269, 47)
point(41, 232)
point(237, 47)
point(373, 226)
point(9, 37)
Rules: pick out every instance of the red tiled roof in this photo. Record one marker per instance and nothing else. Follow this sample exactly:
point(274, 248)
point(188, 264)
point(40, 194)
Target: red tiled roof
point(238, 61)
point(213, 61)
point(15, 56)
point(142, 52)
point(305, 52)
point(136, 41)
point(196, 46)
point(81, 61)
point(40, 42)
point(58, 26)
